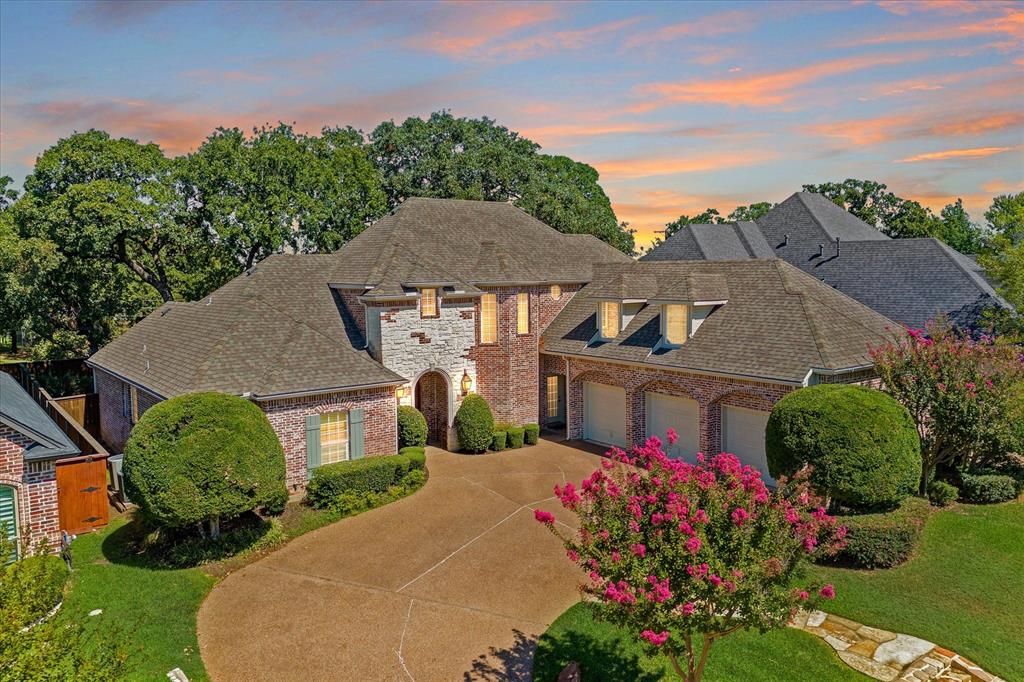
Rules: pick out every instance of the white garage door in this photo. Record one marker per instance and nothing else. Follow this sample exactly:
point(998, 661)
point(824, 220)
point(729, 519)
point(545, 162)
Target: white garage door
point(681, 414)
point(743, 436)
point(604, 414)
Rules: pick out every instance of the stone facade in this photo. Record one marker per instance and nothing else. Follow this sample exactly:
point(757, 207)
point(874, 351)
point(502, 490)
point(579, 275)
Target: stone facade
point(114, 424)
point(35, 488)
point(710, 392)
point(288, 417)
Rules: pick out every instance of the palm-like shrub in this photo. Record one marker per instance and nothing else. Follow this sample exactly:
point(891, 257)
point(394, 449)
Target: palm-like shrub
point(202, 457)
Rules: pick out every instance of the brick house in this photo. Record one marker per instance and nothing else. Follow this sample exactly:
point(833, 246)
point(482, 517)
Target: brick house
point(30, 446)
point(443, 297)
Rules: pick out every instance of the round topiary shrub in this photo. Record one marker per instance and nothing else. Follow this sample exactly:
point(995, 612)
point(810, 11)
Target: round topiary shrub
point(516, 437)
point(412, 427)
point(862, 445)
point(942, 494)
point(474, 424)
point(203, 457)
point(499, 440)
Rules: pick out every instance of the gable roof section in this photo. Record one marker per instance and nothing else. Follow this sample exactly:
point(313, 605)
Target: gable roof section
point(276, 329)
point(23, 414)
point(471, 242)
point(726, 241)
point(778, 324)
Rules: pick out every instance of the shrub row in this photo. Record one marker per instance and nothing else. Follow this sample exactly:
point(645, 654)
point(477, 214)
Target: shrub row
point(883, 540)
point(506, 435)
point(987, 488)
point(362, 476)
point(30, 588)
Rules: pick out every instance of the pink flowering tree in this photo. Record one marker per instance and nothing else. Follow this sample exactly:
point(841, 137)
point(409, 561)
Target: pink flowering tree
point(963, 393)
point(683, 554)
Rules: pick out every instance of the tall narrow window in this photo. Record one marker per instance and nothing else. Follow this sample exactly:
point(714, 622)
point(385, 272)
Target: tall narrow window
point(333, 437)
point(553, 395)
point(488, 318)
point(523, 313)
point(135, 404)
point(676, 323)
point(428, 302)
point(556, 292)
point(611, 319)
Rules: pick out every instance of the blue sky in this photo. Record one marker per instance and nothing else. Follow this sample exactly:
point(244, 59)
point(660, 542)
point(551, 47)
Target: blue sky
point(680, 106)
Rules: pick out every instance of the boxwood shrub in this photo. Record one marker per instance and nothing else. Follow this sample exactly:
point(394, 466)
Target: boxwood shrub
point(516, 435)
point(30, 588)
point(416, 456)
point(987, 488)
point(412, 427)
point(862, 445)
point(532, 433)
point(499, 440)
point(474, 424)
point(361, 476)
point(942, 494)
point(883, 540)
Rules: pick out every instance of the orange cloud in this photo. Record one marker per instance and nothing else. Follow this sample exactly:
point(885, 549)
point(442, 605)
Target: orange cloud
point(948, 7)
point(868, 131)
point(758, 90)
point(623, 169)
point(711, 25)
point(532, 46)
point(1010, 23)
point(555, 134)
point(468, 27)
point(976, 153)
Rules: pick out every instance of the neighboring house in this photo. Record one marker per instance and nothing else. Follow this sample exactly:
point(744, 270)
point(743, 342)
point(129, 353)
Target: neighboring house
point(31, 444)
point(439, 298)
point(908, 280)
point(706, 348)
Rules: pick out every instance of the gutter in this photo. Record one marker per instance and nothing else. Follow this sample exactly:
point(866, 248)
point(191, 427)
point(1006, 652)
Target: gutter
point(826, 372)
point(703, 372)
point(255, 397)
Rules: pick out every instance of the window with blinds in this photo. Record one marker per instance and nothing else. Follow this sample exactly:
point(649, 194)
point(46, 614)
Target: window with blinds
point(553, 396)
point(611, 319)
point(523, 313)
point(676, 324)
point(428, 302)
point(333, 437)
point(488, 318)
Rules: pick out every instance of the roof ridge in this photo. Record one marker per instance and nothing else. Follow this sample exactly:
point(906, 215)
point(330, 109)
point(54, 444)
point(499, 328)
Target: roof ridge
point(810, 212)
point(816, 334)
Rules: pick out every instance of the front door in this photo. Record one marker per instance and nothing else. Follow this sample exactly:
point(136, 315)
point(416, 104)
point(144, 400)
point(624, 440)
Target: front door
point(432, 401)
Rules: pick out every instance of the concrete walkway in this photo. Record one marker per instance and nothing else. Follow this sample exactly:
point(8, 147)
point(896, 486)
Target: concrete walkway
point(455, 582)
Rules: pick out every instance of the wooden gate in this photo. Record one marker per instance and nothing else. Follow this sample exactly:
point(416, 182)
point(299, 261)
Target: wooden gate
point(82, 493)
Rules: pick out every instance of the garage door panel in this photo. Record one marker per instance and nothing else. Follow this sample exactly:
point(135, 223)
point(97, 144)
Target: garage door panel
point(682, 414)
point(604, 413)
point(743, 435)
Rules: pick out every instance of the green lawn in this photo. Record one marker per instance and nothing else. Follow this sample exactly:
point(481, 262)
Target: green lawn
point(606, 654)
point(963, 590)
point(154, 610)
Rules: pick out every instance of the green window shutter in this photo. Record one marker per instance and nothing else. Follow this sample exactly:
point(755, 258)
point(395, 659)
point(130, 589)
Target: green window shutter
point(356, 435)
point(312, 443)
point(8, 519)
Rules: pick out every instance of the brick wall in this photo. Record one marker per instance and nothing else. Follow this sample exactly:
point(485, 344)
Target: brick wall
point(288, 417)
point(114, 426)
point(711, 393)
point(35, 487)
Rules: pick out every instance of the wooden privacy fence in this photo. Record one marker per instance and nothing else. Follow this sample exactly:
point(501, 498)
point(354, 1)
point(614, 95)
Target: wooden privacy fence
point(84, 409)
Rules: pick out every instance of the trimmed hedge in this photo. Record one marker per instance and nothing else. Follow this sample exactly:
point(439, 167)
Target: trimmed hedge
point(516, 435)
point(862, 445)
point(942, 494)
point(532, 433)
point(31, 587)
point(204, 456)
point(987, 488)
point(474, 424)
point(499, 440)
point(361, 476)
point(883, 540)
point(412, 427)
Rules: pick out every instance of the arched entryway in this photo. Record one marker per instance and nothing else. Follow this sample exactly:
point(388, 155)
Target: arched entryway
point(432, 401)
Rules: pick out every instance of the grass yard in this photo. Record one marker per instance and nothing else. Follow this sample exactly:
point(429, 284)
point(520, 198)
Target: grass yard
point(606, 654)
point(963, 590)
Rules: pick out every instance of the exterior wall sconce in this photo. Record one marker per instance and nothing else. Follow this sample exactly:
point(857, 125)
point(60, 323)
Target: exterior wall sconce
point(466, 384)
point(401, 392)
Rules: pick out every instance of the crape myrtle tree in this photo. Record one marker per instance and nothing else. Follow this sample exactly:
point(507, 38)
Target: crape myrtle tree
point(960, 392)
point(682, 554)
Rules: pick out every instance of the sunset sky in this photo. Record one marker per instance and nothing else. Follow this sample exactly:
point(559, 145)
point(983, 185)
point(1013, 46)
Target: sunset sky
point(679, 106)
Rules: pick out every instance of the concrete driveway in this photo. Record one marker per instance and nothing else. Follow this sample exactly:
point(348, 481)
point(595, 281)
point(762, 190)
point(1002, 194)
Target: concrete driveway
point(454, 582)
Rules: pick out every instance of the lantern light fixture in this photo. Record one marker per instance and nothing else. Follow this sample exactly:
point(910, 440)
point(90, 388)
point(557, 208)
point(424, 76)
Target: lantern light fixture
point(466, 384)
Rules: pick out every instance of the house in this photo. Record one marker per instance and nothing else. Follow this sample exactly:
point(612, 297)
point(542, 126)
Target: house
point(31, 444)
point(444, 297)
point(908, 280)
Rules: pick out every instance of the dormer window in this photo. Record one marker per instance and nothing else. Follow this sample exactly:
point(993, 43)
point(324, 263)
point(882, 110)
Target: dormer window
point(428, 302)
point(611, 319)
point(675, 323)
point(556, 292)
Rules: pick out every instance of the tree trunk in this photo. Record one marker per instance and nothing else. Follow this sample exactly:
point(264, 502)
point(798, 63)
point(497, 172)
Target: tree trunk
point(14, 341)
point(214, 527)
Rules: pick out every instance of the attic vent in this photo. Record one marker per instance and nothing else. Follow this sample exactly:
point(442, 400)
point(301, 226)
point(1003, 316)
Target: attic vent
point(785, 240)
point(837, 247)
point(144, 346)
point(821, 250)
point(147, 365)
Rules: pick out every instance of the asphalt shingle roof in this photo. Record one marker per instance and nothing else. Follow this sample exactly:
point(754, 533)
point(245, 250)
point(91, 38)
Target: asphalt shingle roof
point(907, 280)
point(727, 241)
point(23, 414)
point(778, 323)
